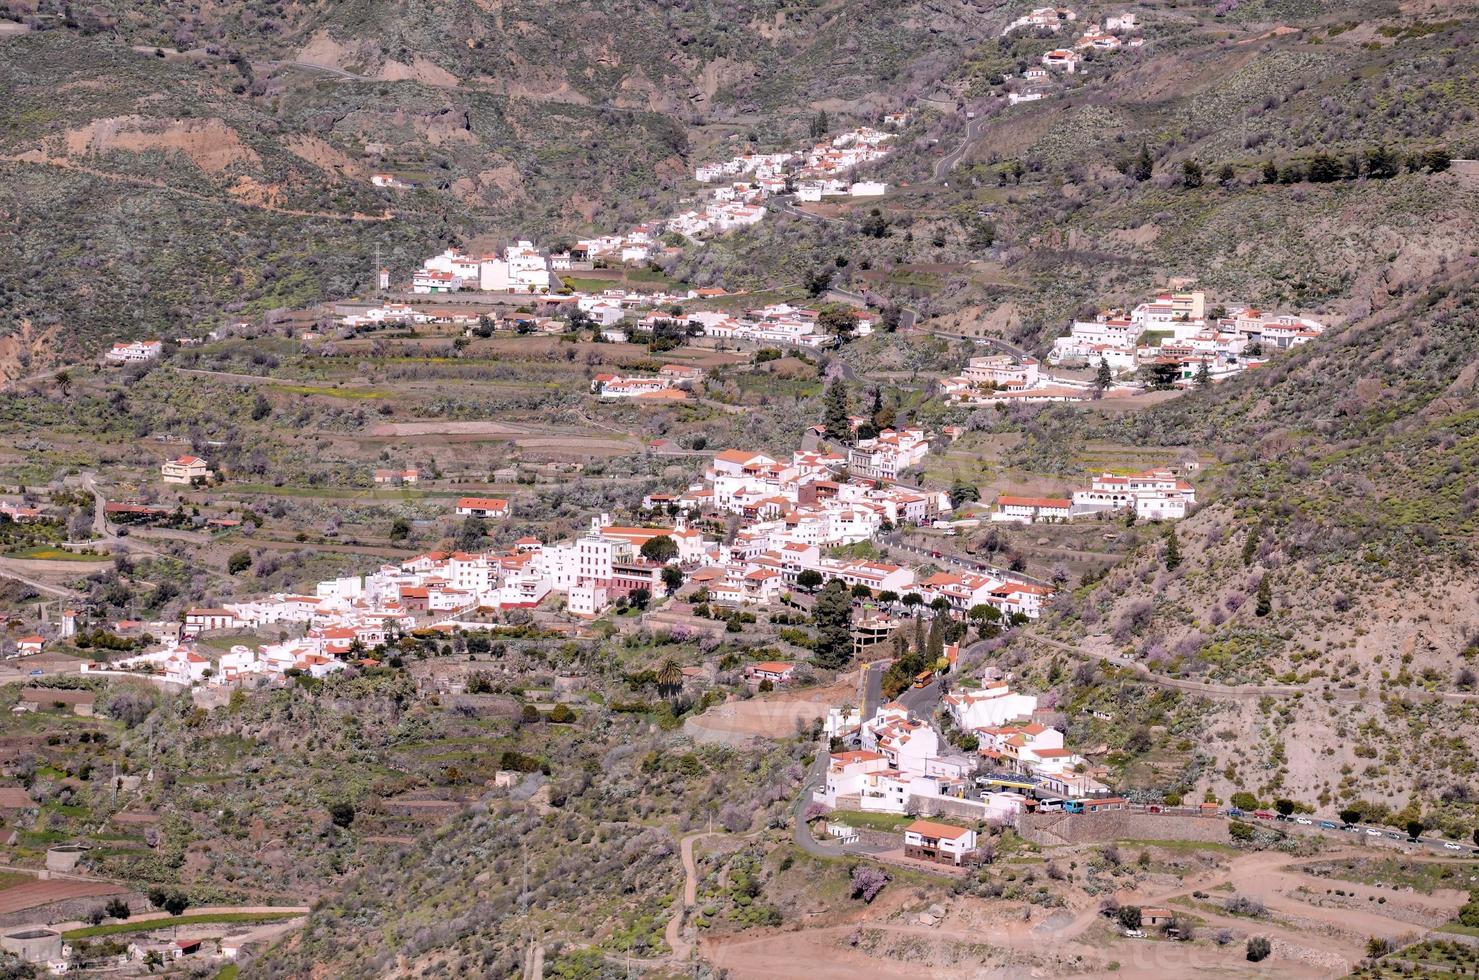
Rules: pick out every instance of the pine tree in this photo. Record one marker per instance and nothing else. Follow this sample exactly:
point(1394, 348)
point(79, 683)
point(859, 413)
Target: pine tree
point(1191, 174)
point(1204, 375)
point(935, 648)
point(1173, 550)
point(1265, 601)
point(820, 124)
point(1250, 544)
point(919, 641)
point(834, 415)
point(832, 617)
point(1144, 165)
point(1103, 378)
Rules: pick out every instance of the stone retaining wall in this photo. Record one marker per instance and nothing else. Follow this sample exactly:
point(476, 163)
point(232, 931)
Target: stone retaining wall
point(1093, 828)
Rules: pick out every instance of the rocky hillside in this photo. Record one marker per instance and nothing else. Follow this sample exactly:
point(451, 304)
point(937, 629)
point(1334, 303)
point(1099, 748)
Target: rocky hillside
point(219, 159)
point(1333, 562)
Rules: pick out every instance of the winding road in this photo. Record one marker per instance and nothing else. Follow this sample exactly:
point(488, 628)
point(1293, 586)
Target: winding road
point(947, 163)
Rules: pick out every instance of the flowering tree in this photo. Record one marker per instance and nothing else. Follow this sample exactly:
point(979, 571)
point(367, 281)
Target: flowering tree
point(868, 881)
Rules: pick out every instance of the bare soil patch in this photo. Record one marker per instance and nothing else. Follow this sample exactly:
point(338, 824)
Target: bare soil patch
point(36, 893)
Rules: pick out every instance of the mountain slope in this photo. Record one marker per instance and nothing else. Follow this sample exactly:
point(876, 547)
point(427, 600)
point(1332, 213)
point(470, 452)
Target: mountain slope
point(1337, 551)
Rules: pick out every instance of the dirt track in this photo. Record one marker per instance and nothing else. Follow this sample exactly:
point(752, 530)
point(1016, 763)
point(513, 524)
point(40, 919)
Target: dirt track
point(1314, 935)
point(523, 436)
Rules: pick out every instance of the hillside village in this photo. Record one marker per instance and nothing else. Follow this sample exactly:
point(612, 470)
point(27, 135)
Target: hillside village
point(1176, 338)
point(739, 491)
point(782, 517)
point(811, 174)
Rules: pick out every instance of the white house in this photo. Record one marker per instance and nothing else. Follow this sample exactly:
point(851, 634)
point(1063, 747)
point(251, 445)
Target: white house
point(1030, 510)
point(990, 706)
point(490, 507)
point(1152, 495)
point(433, 281)
point(185, 666)
point(926, 840)
point(775, 671)
point(1061, 59)
point(588, 600)
point(136, 352)
point(185, 471)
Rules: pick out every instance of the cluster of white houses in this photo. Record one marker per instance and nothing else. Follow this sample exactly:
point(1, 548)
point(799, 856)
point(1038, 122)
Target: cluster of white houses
point(736, 193)
point(792, 510)
point(1178, 332)
point(903, 765)
point(779, 323)
point(788, 513)
point(521, 268)
point(1154, 495)
point(735, 199)
point(671, 383)
point(1104, 37)
point(1002, 379)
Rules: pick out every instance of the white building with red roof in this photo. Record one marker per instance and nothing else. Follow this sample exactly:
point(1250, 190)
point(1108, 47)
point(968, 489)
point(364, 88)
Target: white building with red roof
point(1152, 495)
point(484, 507)
point(185, 471)
point(1031, 510)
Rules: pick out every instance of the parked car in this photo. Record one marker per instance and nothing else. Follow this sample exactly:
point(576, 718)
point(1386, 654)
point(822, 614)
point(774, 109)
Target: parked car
point(1329, 825)
point(1449, 845)
point(1303, 821)
point(1262, 815)
point(1372, 832)
point(37, 672)
point(1393, 835)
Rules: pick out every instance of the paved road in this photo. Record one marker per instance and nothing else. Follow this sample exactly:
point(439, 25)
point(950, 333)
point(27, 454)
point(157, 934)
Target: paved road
point(873, 688)
point(785, 205)
point(922, 701)
point(896, 543)
point(946, 163)
point(1004, 346)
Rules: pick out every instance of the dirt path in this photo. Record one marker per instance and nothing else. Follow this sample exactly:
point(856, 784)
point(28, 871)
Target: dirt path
point(1311, 940)
point(161, 185)
point(17, 569)
point(291, 911)
point(673, 932)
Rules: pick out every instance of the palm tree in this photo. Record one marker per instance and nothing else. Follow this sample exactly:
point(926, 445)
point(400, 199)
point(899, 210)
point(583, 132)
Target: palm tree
point(669, 677)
